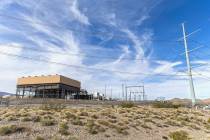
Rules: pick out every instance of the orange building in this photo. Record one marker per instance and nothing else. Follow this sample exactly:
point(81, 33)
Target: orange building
point(51, 86)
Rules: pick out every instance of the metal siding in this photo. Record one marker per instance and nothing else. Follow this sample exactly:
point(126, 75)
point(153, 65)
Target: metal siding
point(51, 79)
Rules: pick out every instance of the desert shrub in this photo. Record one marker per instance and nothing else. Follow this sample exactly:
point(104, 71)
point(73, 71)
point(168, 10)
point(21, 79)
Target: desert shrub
point(69, 115)
point(126, 121)
point(72, 138)
point(39, 138)
point(164, 138)
point(121, 111)
point(193, 126)
point(135, 125)
point(105, 113)
point(63, 128)
point(172, 123)
point(107, 135)
point(83, 114)
point(91, 127)
point(121, 130)
point(94, 116)
point(149, 120)
point(94, 128)
point(159, 104)
point(9, 129)
point(198, 113)
point(53, 106)
point(47, 122)
point(77, 121)
point(103, 122)
point(144, 125)
point(127, 105)
point(111, 116)
point(183, 118)
point(159, 125)
point(207, 126)
point(179, 135)
point(25, 119)
point(36, 118)
point(24, 114)
point(112, 121)
point(11, 118)
point(208, 120)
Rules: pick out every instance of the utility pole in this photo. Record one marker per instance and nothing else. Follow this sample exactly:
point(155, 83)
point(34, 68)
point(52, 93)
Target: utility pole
point(126, 93)
point(139, 97)
point(105, 91)
point(122, 91)
point(192, 90)
point(111, 93)
point(135, 97)
point(143, 92)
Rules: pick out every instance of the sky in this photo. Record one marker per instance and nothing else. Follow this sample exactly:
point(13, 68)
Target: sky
point(107, 42)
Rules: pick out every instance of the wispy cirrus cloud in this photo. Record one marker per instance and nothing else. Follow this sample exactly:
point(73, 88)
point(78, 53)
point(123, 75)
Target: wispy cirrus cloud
point(77, 14)
point(46, 33)
point(58, 26)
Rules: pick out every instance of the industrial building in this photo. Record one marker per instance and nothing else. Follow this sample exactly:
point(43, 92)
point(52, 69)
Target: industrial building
point(51, 86)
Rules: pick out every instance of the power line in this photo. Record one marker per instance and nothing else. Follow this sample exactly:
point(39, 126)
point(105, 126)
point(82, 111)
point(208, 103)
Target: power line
point(78, 54)
point(89, 68)
point(200, 65)
point(79, 31)
point(202, 75)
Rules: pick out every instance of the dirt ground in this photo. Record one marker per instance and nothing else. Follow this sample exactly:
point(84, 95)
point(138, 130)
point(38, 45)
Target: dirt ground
point(56, 122)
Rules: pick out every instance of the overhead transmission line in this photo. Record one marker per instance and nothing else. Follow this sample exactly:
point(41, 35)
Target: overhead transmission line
point(198, 57)
point(85, 68)
point(78, 54)
point(88, 33)
point(202, 75)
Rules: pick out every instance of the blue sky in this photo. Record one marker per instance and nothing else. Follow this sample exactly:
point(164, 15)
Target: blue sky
point(117, 36)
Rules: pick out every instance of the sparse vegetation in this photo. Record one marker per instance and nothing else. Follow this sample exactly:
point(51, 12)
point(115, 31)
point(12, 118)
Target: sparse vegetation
point(179, 135)
point(77, 121)
point(9, 129)
point(158, 104)
point(172, 123)
point(144, 125)
point(73, 138)
point(208, 120)
point(92, 127)
point(63, 128)
point(112, 121)
point(36, 118)
point(52, 106)
point(39, 138)
point(26, 119)
point(47, 122)
point(127, 105)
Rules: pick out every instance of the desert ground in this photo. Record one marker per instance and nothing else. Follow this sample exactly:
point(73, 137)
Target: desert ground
point(103, 122)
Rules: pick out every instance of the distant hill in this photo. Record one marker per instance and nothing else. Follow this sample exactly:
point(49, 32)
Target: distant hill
point(206, 101)
point(181, 101)
point(5, 93)
point(188, 101)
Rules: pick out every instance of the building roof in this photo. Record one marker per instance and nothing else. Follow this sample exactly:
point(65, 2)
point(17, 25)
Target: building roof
point(49, 79)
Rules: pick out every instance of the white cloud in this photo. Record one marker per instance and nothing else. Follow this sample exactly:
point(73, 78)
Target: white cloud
point(166, 67)
point(141, 20)
point(111, 18)
point(40, 32)
point(138, 44)
point(78, 15)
